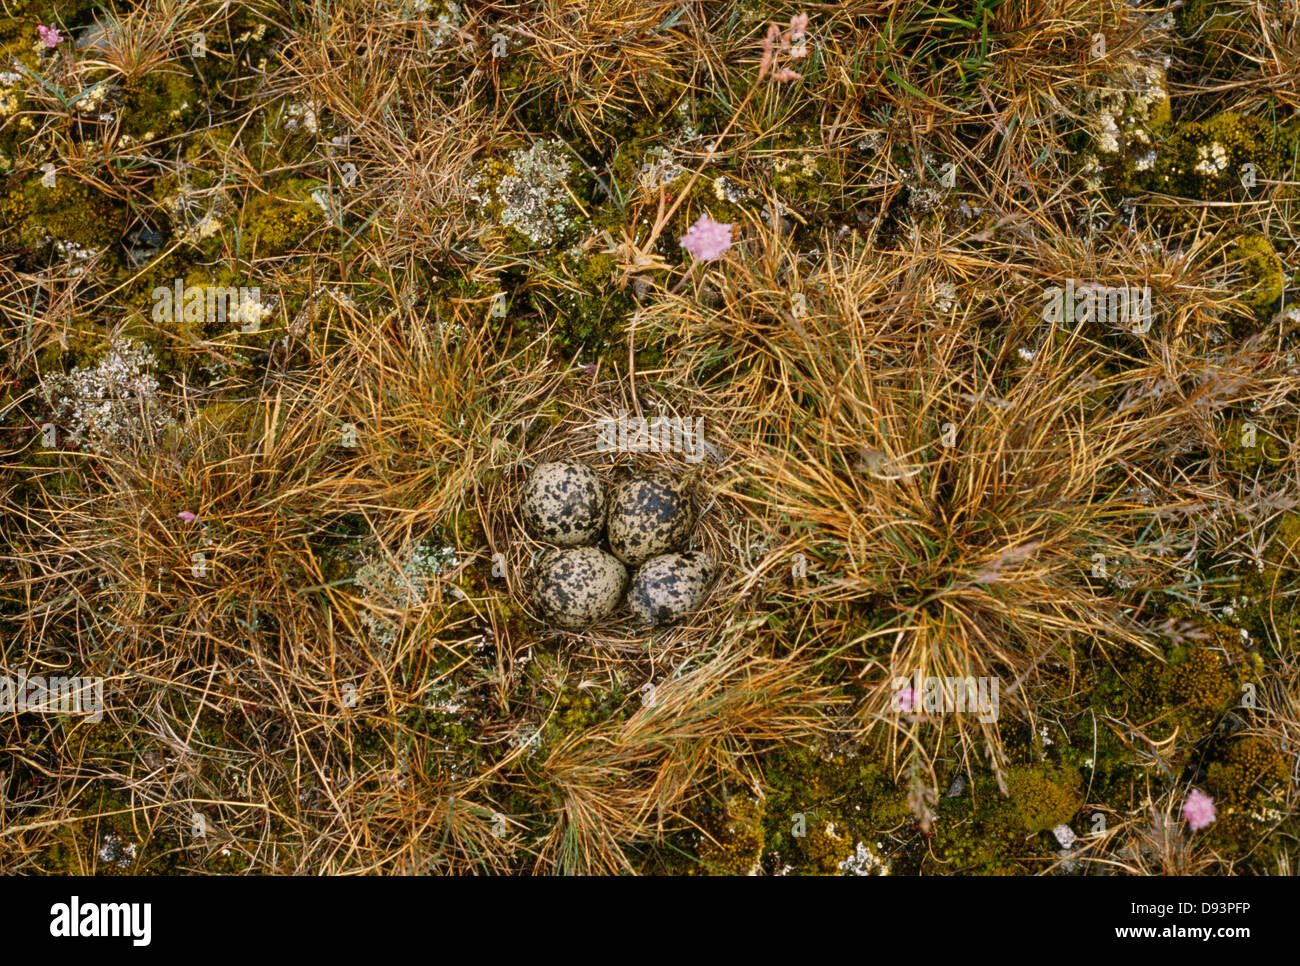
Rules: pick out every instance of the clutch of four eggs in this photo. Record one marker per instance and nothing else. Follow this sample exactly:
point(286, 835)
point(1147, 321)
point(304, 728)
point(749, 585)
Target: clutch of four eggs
point(646, 519)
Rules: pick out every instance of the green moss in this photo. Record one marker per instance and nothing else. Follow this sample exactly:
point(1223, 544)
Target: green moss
point(279, 222)
point(982, 832)
point(639, 152)
point(977, 846)
point(137, 293)
point(1248, 783)
point(1262, 593)
point(109, 837)
point(448, 743)
point(579, 291)
point(1126, 116)
point(638, 103)
point(465, 530)
point(731, 837)
point(17, 125)
point(205, 155)
point(1202, 680)
point(85, 346)
point(173, 339)
point(69, 211)
point(819, 806)
point(1218, 34)
point(238, 55)
point(1249, 256)
point(1199, 684)
point(1283, 550)
point(1248, 445)
point(337, 563)
point(824, 847)
point(290, 136)
point(1207, 159)
point(227, 417)
point(803, 178)
point(1043, 797)
point(578, 711)
point(20, 18)
point(32, 12)
point(160, 105)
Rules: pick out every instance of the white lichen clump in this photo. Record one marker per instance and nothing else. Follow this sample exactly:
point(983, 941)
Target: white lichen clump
point(1123, 113)
point(115, 851)
point(864, 861)
point(78, 256)
point(659, 170)
point(928, 187)
point(196, 215)
point(248, 311)
point(95, 97)
point(725, 189)
point(402, 584)
point(10, 92)
point(1211, 159)
point(301, 116)
point(1133, 100)
point(944, 297)
point(112, 404)
point(445, 16)
point(533, 195)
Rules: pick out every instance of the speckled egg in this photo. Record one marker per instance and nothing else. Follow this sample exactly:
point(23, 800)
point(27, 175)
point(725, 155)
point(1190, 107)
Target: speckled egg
point(563, 504)
point(578, 585)
point(648, 515)
point(670, 586)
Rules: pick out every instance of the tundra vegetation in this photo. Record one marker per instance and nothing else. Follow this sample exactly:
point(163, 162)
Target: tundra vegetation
point(287, 536)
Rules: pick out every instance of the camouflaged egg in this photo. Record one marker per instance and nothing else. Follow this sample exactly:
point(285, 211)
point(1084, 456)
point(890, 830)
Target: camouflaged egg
point(578, 585)
point(563, 504)
point(648, 515)
point(670, 586)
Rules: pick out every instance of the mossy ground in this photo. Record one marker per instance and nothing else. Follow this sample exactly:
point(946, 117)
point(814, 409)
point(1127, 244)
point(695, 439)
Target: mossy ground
point(893, 210)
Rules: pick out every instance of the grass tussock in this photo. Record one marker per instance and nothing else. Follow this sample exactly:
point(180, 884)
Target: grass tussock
point(285, 536)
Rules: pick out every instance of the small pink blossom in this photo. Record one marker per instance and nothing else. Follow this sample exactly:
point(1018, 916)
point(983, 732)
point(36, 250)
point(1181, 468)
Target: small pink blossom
point(707, 239)
point(792, 41)
point(1199, 809)
point(768, 59)
point(187, 516)
point(50, 35)
point(905, 700)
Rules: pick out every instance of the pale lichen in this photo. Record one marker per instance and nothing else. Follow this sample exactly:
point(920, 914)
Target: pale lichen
point(529, 192)
point(111, 404)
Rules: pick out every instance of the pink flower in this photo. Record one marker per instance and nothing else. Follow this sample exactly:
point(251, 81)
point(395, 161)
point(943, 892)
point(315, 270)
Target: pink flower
point(791, 41)
point(707, 239)
point(187, 516)
point(1199, 809)
point(768, 59)
point(50, 36)
point(905, 700)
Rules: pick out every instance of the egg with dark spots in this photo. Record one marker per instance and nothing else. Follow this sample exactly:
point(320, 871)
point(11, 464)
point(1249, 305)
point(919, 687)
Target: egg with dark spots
point(670, 586)
point(563, 504)
point(577, 586)
point(648, 515)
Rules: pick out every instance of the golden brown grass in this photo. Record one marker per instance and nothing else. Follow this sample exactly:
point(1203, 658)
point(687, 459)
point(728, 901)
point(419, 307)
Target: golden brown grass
point(881, 398)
